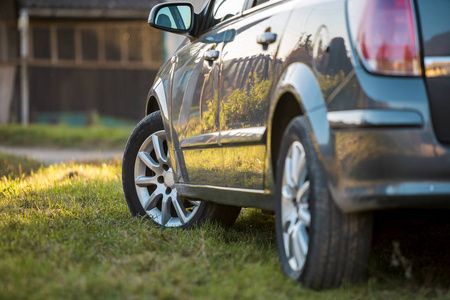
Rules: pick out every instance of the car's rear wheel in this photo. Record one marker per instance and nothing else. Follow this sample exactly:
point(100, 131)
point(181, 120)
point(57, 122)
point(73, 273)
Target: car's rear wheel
point(149, 182)
point(317, 244)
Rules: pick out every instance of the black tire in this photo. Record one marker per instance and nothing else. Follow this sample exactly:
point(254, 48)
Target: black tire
point(338, 244)
point(197, 214)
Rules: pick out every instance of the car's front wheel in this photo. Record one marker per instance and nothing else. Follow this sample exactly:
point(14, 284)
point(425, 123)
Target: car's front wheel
point(149, 182)
point(317, 244)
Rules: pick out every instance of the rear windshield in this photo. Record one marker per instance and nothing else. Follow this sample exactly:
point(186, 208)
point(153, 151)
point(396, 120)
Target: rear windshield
point(435, 25)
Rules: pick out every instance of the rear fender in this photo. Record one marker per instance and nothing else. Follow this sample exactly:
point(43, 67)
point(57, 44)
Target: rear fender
point(299, 80)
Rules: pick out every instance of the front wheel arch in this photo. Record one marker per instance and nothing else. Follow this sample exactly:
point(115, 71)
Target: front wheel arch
point(152, 105)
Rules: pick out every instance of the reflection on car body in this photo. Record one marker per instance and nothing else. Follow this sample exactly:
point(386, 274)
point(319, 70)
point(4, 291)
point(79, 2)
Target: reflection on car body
point(321, 111)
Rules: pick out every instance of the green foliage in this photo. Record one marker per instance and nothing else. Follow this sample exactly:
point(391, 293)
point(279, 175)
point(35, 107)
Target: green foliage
point(244, 106)
point(240, 107)
point(328, 83)
point(211, 116)
point(64, 137)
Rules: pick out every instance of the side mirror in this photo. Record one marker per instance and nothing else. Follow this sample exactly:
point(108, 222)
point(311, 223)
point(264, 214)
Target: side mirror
point(176, 17)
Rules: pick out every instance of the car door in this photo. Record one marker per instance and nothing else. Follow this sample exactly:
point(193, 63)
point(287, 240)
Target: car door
point(195, 99)
point(246, 84)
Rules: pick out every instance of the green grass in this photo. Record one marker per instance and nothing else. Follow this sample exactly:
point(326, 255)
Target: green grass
point(14, 166)
point(61, 136)
point(66, 233)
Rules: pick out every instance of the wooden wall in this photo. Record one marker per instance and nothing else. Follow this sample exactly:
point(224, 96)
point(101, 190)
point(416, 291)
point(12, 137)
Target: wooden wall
point(82, 66)
point(120, 93)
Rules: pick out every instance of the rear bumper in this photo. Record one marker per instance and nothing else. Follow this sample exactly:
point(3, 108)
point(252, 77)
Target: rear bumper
point(369, 197)
point(390, 160)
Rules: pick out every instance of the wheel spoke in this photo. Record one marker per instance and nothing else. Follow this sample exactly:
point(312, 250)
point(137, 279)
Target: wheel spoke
point(302, 169)
point(143, 181)
point(288, 173)
point(287, 194)
point(303, 239)
point(295, 214)
point(298, 242)
point(289, 218)
point(159, 149)
point(165, 210)
point(155, 186)
point(287, 244)
point(303, 193)
point(179, 209)
point(295, 159)
point(149, 162)
point(304, 214)
point(193, 202)
point(298, 165)
point(152, 201)
point(293, 262)
point(155, 214)
point(295, 252)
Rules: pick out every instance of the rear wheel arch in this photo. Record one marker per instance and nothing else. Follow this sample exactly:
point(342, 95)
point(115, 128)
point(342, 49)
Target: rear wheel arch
point(287, 108)
point(298, 93)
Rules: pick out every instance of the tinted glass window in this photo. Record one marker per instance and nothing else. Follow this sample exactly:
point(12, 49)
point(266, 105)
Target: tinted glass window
point(225, 9)
point(435, 22)
point(258, 2)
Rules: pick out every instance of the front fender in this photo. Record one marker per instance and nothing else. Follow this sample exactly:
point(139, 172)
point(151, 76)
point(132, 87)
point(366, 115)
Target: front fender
point(157, 100)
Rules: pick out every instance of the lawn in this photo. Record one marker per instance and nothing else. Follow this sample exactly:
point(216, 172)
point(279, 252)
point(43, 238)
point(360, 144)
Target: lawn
point(15, 166)
point(61, 136)
point(66, 233)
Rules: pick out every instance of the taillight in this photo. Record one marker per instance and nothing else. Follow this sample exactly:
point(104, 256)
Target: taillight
point(385, 35)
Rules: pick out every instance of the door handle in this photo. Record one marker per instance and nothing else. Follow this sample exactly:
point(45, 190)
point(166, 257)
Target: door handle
point(267, 38)
point(211, 55)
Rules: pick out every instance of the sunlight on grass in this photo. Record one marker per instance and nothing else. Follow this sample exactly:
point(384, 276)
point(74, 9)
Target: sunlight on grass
point(66, 233)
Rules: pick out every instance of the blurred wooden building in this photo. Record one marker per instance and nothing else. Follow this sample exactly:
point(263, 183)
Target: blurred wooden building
point(81, 58)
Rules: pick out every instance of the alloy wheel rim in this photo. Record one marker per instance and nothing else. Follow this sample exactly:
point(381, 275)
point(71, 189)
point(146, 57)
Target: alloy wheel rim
point(295, 213)
point(155, 184)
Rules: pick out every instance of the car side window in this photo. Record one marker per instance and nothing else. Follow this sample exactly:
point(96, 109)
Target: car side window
point(225, 9)
point(258, 2)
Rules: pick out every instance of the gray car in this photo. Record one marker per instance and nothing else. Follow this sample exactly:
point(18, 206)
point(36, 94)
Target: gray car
point(319, 111)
